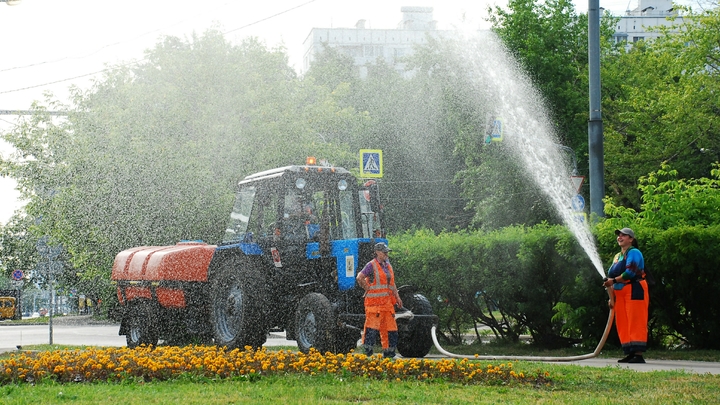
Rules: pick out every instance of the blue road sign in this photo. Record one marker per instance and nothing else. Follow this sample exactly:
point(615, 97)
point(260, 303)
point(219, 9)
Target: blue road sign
point(577, 203)
point(580, 217)
point(17, 275)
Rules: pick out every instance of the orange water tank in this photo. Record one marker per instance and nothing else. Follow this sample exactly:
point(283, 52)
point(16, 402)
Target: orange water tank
point(186, 261)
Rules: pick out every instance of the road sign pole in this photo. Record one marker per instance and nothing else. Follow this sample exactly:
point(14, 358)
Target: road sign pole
point(51, 304)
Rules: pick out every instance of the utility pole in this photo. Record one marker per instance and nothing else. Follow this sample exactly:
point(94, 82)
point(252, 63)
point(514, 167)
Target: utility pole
point(595, 129)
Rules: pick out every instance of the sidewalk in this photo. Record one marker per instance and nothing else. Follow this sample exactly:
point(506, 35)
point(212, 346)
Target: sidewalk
point(695, 367)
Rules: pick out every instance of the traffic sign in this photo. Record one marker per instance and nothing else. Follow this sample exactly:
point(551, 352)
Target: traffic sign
point(371, 163)
point(578, 203)
point(580, 217)
point(577, 182)
point(17, 275)
point(496, 133)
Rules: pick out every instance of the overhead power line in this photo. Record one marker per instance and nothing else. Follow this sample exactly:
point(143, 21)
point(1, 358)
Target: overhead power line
point(267, 18)
point(138, 61)
point(31, 112)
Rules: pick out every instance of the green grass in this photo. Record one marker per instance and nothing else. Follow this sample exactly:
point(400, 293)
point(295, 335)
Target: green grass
point(42, 320)
point(571, 385)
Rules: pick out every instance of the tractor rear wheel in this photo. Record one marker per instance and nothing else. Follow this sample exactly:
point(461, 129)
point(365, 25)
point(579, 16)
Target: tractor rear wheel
point(237, 309)
point(416, 341)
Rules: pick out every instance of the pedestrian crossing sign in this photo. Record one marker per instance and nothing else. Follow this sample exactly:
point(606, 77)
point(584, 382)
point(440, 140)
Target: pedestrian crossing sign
point(495, 131)
point(371, 164)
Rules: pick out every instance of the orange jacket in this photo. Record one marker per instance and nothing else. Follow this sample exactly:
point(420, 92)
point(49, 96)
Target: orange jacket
point(379, 293)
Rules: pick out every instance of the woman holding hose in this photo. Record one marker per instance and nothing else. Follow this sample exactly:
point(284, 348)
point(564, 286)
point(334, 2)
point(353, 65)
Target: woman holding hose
point(627, 277)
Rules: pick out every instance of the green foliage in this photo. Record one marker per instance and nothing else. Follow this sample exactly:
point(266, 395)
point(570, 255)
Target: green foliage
point(668, 113)
point(678, 228)
point(150, 155)
point(495, 190)
point(508, 280)
point(549, 40)
point(404, 119)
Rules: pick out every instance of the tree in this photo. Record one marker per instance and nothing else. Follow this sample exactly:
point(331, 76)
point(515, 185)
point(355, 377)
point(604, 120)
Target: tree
point(404, 119)
point(151, 154)
point(661, 106)
point(467, 94)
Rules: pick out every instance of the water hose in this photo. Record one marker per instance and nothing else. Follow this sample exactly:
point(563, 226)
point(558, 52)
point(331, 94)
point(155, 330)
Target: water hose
point(599, 347)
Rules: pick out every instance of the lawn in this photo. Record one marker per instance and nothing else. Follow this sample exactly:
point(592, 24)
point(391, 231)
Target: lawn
point(572, 385)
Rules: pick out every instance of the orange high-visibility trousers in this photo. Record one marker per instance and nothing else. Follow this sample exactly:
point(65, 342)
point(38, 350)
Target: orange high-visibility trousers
point(381, 319)
point(631, 317)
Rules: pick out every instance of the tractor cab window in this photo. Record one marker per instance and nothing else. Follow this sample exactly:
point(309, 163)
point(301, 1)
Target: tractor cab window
point(337, 212)
point(299, 219)
point(370, 220)
point(347, 214)
point(264, 215)
point(314, 208)
point(236, 230)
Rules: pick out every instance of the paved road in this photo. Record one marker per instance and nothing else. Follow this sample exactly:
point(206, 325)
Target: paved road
point(77, 331)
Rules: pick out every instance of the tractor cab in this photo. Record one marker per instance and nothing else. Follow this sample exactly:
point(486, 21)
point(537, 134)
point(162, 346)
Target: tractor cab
point(312, 224)
point(301, 204)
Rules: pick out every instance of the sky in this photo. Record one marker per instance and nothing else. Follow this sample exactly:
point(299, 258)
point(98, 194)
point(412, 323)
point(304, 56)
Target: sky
point(49, 45)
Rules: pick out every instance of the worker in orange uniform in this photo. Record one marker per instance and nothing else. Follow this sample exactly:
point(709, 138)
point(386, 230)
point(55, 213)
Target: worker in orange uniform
point(381, 296)
point(627, 278)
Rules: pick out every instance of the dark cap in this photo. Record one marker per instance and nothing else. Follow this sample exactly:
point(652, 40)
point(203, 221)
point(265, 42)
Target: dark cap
point(381, 247)
point(626, 231)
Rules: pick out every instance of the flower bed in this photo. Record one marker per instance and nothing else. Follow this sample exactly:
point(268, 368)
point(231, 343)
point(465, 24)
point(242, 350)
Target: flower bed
point(169, 362)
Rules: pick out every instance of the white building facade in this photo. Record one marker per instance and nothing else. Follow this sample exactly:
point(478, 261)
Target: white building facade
point(366, 46)
point(633, 26)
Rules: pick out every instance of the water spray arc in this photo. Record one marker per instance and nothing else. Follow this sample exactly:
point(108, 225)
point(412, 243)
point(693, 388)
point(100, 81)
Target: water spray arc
point(528, 131)
point(532, 137)
point(596, 352)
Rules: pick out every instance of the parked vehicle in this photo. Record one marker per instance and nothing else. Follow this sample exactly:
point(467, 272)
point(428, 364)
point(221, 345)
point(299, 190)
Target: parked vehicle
point(296, 239)
point(7, 308)
point(10, 304)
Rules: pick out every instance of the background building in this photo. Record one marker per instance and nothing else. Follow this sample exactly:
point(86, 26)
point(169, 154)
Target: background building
point(366, 45)
point(633, 26)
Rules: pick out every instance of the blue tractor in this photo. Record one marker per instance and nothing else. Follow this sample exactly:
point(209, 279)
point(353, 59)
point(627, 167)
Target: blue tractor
point(296, 239)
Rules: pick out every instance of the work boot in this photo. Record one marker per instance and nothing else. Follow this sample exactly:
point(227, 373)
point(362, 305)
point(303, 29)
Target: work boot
point(636, 360)
point(627, 358)
point(368, 350)
point(389, 353)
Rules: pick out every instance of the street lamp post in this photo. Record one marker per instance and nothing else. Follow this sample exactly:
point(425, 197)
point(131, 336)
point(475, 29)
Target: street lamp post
point(595, 129)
